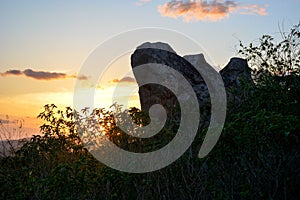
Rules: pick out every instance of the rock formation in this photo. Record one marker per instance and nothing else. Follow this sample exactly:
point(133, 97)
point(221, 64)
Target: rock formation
point(234, 74)
point(161, 53)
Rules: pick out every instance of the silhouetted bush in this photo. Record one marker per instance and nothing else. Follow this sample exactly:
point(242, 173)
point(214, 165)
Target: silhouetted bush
point(256, 157)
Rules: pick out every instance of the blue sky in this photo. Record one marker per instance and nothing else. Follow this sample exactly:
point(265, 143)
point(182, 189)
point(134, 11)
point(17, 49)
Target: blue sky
point(57, 36)
point(54, 34)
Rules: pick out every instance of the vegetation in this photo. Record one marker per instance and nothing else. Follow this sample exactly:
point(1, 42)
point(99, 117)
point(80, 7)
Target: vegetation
point(257, 156)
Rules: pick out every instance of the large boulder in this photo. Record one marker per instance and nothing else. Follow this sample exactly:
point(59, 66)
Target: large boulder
point(189, 66)
point(161, 53)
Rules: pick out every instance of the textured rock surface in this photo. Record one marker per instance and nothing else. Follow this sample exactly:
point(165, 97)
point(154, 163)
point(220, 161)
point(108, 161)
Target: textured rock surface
point(234, 71)
point(156, 45)
point(161, 53)
point(234, 74)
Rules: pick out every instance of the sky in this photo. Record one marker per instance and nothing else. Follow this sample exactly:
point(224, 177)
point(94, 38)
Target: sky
point(43, 44)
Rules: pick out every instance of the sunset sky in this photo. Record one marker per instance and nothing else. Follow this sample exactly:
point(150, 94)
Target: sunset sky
point(43, 44)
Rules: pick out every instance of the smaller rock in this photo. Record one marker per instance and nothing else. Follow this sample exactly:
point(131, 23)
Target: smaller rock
point(233, 74)
point(236, 70)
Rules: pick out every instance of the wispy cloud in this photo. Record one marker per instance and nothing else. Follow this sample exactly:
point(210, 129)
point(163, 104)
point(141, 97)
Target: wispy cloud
point(142, 2)
point(202, 10)
point(80, 77)
point(41, 75)
point(253, 9)
point(126, 79)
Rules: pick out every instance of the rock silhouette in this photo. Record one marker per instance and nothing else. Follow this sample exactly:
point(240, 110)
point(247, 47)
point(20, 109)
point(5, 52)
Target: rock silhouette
point(161, 53)
point(234, 74)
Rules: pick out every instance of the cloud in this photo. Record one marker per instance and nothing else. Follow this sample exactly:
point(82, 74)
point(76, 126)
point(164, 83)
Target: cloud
point(80, 77)
point(253, 9)
point(142, 2)
point(126, 79)
point(12, 72)
point(41, 75)
point(202, 10)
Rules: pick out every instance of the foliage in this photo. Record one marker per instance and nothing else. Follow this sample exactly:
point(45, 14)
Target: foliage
point(279, 58)
point(276, 70)
point(257, 156)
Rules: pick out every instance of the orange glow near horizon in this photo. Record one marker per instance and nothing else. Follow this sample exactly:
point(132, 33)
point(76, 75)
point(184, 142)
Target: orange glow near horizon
point(23, 98)
point(27, 106)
